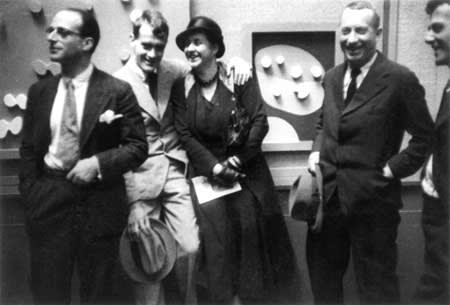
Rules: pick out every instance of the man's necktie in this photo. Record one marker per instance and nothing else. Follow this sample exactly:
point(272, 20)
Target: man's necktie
point(445, 100)
point(68, 149)
point(352, 87)
point(152, 81)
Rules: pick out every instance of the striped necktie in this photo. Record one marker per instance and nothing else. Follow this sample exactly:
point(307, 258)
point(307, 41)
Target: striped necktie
point(68, 148)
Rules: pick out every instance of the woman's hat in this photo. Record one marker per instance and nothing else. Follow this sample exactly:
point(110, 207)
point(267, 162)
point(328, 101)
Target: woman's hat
point(203, 25)
point(151, 257)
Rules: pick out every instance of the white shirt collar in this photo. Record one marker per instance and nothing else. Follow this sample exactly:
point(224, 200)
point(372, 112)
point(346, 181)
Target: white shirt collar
point(359, 79)
point(365, 69)
point(84, 76)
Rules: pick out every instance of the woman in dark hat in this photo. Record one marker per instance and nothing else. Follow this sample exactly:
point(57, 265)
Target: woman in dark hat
point(246, 255)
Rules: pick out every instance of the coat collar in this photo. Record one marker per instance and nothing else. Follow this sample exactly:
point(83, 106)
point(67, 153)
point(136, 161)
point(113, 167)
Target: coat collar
point(374, 82)
point(93, 105)
point(95, 102)
point(443, 112)
point(46, 104)
point(189, 80)
point(141, 89)
point(165, 81)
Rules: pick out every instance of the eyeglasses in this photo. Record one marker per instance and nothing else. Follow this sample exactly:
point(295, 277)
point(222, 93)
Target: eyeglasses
point(61, 32)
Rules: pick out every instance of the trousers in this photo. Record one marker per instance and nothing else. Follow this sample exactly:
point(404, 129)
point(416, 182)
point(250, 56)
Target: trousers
point(62, 242)
point(433, 287)
point(371, 240)
point(174, 207)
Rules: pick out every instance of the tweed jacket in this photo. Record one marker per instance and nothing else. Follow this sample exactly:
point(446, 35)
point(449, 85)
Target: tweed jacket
point(164, 145)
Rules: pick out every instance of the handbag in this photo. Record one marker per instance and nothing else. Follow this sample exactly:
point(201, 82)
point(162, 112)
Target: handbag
point(305, 197)
point(239, 124)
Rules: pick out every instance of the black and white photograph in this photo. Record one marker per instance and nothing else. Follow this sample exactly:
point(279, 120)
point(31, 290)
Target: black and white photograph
point(234, 152)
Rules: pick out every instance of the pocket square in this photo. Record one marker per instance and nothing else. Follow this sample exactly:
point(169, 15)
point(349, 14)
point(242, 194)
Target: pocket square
point(109, 116)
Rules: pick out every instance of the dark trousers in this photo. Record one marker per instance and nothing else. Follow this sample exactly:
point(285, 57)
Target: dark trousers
point(433, 286)
point(371, 241)
point(57, 213)
point(230, 262)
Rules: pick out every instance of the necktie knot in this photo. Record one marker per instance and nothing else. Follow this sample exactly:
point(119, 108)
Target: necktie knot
point(68, 84)
point(355, 72)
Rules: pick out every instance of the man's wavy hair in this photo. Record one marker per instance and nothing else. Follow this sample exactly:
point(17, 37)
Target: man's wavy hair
point(434, 4)
point(156, 20)
point(359, 5)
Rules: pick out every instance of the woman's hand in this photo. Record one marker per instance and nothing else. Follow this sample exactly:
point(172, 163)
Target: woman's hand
point(234, 162)
point(224, 175)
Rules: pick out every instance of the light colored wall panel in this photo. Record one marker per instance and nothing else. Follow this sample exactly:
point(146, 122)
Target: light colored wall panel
point(415, 54)
point(235, 16)
point(23, 40)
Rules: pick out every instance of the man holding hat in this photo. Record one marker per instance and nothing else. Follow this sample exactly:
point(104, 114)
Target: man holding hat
point(158, 189)
point(368, 105)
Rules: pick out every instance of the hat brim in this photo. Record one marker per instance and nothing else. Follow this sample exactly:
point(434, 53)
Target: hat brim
point(304, 198)
point(130, 266)
point(183, 36)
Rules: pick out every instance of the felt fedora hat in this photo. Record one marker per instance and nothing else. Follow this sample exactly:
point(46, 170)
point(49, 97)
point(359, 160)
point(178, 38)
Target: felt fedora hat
point(151, 257)
point(204, 25)
point(305, 196)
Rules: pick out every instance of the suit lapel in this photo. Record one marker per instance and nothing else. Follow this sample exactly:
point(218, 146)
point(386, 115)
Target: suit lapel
point(142, 92)
point(443, 114)
point(337, 88)
point(164, 87)
point(95, 101)
point(374, 82)
point(46, 105)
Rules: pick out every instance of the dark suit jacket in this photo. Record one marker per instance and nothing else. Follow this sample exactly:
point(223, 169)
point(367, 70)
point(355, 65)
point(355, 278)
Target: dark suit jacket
point(357, 142)
point(440, 149)
point(119, 146)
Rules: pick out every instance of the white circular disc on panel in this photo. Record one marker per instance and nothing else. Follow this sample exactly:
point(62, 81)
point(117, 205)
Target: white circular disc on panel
point(280, 80)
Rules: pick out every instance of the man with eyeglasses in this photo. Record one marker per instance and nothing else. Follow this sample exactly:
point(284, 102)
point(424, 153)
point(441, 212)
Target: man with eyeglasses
point(159, 187)
point(82, 131)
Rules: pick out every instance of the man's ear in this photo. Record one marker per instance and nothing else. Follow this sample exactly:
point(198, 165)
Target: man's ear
point(379, 31)
point(88, 43)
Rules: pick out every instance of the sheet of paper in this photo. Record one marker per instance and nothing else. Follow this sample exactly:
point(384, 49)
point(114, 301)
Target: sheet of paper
point(206, 191)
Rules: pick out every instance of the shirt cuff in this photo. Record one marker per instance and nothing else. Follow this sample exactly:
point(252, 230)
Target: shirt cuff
point(97, 163)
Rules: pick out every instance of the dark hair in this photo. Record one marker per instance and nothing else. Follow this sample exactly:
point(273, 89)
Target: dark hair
point(89, 25)
point(434, 4)
point(156, 20)
point(361, 4)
